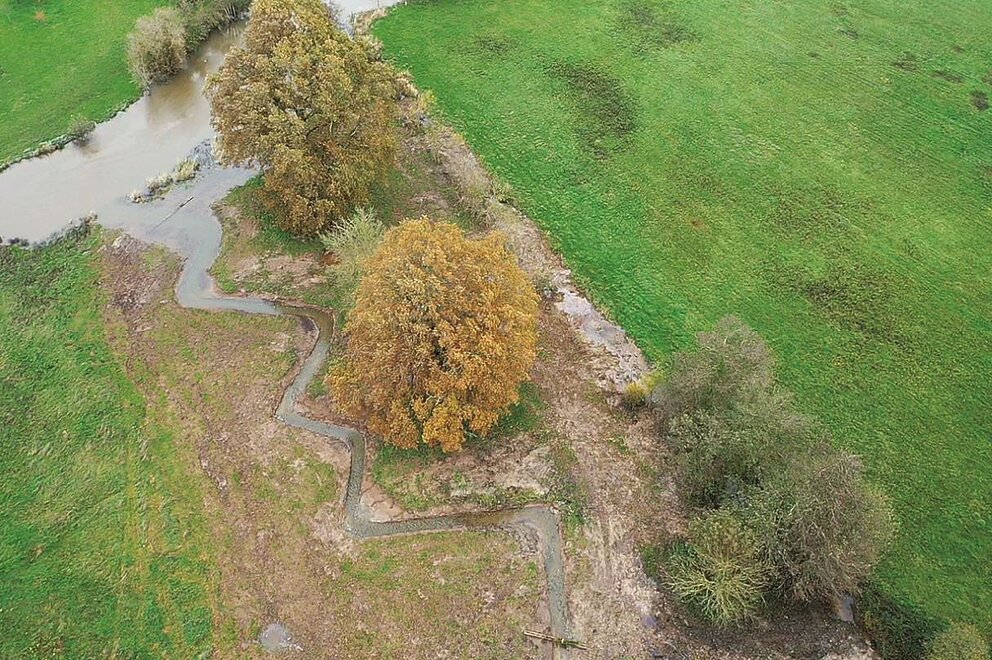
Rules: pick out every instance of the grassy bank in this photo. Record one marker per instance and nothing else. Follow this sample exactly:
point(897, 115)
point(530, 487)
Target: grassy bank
point(820, 169)
point(103, 547)
point(60, 58)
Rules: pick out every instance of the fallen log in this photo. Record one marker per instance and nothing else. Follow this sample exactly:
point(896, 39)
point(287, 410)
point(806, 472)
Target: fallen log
point(557, 641)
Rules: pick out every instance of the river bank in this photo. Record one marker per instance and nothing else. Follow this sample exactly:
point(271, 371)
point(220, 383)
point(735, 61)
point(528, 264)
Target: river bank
point(45, 194)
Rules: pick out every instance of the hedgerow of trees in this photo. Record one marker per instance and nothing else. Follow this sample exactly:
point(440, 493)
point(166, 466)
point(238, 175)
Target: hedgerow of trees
point(782, 510)
point(443, 332)
point(314, 108)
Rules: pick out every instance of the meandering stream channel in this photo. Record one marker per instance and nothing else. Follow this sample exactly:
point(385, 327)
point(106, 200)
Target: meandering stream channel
point(42, 195)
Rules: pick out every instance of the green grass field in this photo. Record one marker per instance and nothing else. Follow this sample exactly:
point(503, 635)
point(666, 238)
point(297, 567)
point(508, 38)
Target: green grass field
point(824, 171)
point(59, 58)
point(103, 546)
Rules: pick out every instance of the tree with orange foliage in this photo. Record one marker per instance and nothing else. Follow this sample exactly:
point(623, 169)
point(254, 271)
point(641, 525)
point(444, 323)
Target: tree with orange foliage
point(313, 107)
point(443, 332)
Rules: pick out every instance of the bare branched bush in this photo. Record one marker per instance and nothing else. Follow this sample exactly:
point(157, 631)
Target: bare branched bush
point(721, 454)
point(821, 524)
point(731, 364)
point(156, 49)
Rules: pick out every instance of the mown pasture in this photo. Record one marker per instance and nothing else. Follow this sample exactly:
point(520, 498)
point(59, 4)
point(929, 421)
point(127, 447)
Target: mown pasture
point(104, 546)
point(822, 169)
point(58, 59)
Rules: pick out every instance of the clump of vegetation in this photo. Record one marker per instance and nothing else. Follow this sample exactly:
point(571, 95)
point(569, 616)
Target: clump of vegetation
point(156, 49)
point(312, 107)
point(351, 244)
point(961, 641)
point(721, 570)
point(637, 393)
point(158, 45)
point(743, 448)
point(157, 185)
point(80, 128)
point(634, 395)
point(203, 16)
point(821, 524)
point(443, 332)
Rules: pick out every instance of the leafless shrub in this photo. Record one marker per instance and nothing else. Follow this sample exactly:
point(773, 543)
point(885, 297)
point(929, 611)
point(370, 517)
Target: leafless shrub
point(156, 49)
point(731, 364)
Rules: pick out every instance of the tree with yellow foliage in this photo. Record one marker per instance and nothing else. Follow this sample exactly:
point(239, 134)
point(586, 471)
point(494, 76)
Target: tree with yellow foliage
point(310, 105)
point(443, 332)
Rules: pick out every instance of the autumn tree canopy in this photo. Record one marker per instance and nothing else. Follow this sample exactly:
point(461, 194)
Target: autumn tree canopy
point(443, 331)
point(311, 106)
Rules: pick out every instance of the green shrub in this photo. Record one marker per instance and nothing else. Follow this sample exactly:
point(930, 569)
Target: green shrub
point(80, 128)
point(352, 244)
point(712, 464)
point(156, 48)
point(961, 641)
point(721, 453)
point(720, 570)
point(740, 442)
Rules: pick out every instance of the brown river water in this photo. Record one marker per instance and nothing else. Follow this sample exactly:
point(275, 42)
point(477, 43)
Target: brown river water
point(41, 195)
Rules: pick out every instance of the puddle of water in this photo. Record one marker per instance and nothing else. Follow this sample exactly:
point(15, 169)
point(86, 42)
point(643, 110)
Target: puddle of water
point(276, 638)
point(345, 9)
point(41, 195)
